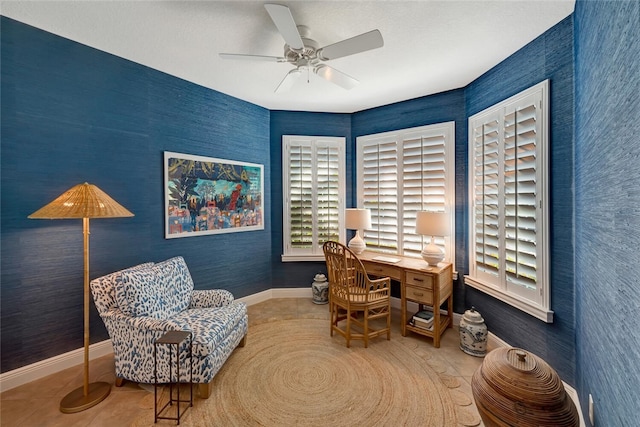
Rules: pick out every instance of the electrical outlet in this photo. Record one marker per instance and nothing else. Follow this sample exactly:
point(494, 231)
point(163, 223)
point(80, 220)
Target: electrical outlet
point(591, 409)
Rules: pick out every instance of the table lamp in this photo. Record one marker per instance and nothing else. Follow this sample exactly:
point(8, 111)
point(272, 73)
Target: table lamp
point(83, 201)
point(432, 224)
point(357, 219)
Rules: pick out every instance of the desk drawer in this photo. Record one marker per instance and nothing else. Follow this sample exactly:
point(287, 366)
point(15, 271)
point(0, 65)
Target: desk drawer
point(420, 280)
point(376, 269)
point(420, 295)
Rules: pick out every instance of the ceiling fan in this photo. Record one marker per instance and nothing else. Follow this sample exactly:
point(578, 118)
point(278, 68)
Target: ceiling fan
point(304, 53)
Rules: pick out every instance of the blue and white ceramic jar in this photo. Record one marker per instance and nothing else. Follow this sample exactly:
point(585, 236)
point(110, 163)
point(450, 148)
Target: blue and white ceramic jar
point(320, 289)
point(473, 333)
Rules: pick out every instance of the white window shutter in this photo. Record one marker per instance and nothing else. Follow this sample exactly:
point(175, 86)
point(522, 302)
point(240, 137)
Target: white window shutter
point(380, 194)
point(424, 185)
point(328, 192)
point(301, 196)
point(507, 157)
point(313, 188)
point(521, 194)
point(401, 173)
point(486, 153)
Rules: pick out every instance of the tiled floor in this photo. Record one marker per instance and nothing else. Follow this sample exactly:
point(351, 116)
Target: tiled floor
point(36, 403)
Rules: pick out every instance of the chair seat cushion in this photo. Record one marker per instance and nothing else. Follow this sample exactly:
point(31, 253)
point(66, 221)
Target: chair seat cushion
point(211, 325)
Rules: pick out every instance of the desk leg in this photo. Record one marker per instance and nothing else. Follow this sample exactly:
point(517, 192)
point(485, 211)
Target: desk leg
point(403, 301)
point(436, 322)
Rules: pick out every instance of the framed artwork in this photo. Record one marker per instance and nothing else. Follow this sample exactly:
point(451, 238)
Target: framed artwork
point(205, 195)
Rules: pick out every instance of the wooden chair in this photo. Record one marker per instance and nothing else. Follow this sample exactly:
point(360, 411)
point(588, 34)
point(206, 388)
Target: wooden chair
point(351, 292)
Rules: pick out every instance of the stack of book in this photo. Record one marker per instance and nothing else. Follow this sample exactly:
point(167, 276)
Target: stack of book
point(423, 320)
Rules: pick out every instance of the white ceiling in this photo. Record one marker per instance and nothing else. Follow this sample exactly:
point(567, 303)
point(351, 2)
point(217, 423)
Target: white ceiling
point(429, 46)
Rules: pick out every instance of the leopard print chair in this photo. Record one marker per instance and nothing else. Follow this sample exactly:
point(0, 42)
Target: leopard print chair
point(139, 304)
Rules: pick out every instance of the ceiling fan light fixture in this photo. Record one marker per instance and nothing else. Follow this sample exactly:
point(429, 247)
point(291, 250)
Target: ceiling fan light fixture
point(334, 76)
point(303, 52)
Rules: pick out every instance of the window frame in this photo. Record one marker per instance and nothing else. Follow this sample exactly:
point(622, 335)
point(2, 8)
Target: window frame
point(399, 137)
point(289, 253)
point(536, 302)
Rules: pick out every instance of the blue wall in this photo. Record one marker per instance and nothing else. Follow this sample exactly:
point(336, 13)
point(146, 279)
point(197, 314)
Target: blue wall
point(550, 56)
point(71, 114)
point(607, 41)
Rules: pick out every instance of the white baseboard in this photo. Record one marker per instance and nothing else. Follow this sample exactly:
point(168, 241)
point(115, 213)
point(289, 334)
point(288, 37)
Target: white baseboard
point(26, 374)
point(35, 371)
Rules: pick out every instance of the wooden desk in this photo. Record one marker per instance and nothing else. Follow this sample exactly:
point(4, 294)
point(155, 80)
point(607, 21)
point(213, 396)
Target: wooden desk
point(419, 283)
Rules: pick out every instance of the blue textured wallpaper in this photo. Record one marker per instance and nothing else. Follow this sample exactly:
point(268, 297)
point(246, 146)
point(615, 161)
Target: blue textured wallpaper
point(72, 114)
point(550, 56)
point(607, 38)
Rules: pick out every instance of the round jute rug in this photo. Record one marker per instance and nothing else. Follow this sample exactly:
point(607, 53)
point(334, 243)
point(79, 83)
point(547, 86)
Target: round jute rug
point(292, 373)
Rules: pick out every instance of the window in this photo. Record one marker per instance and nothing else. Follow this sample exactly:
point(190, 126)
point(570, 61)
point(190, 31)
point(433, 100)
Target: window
point(400, 173)
point(508, 201)
point(313, 182)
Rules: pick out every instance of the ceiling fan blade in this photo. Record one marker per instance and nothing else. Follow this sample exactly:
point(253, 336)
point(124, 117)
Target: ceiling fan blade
point(252, 57)
point(334, 76)
point(363, 42)
point(281, 16)
point(289, 80)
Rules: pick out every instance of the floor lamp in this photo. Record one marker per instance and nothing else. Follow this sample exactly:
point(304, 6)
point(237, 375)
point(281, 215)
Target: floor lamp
point(83, 201)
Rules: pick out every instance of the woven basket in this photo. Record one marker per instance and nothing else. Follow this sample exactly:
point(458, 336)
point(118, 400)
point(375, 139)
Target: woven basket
point(513, 387)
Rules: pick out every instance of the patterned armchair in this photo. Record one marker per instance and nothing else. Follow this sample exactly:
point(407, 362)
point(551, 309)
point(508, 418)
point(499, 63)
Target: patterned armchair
point(139, 304)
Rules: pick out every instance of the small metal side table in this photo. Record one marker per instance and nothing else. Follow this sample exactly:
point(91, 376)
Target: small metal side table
point(172, 339)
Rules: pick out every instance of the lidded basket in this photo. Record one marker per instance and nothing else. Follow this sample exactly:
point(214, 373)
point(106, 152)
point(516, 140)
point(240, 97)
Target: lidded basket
point(514, 387)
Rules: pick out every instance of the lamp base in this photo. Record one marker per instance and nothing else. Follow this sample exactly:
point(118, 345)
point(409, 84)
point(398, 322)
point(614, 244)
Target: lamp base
point(76, 401)
point(432, 254)
point(357, 245)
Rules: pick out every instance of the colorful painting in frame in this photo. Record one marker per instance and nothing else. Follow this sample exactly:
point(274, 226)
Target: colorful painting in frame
point(205, 195)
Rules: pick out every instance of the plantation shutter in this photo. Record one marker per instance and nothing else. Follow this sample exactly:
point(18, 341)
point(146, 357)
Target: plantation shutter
point(486, 184)
point(507, 158)
point(313, 185)
point(301, 193)
point(328, 200)
point(521, 130)
point(423, 185)
point(380, 194)
point(401, 173)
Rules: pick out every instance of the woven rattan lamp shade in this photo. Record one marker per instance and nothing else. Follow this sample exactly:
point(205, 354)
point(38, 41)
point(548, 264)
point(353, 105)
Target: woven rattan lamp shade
point(82, 201)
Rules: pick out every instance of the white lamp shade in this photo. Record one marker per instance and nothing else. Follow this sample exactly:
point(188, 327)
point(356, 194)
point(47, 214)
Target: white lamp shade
point(357, 219)
point(432, 223)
